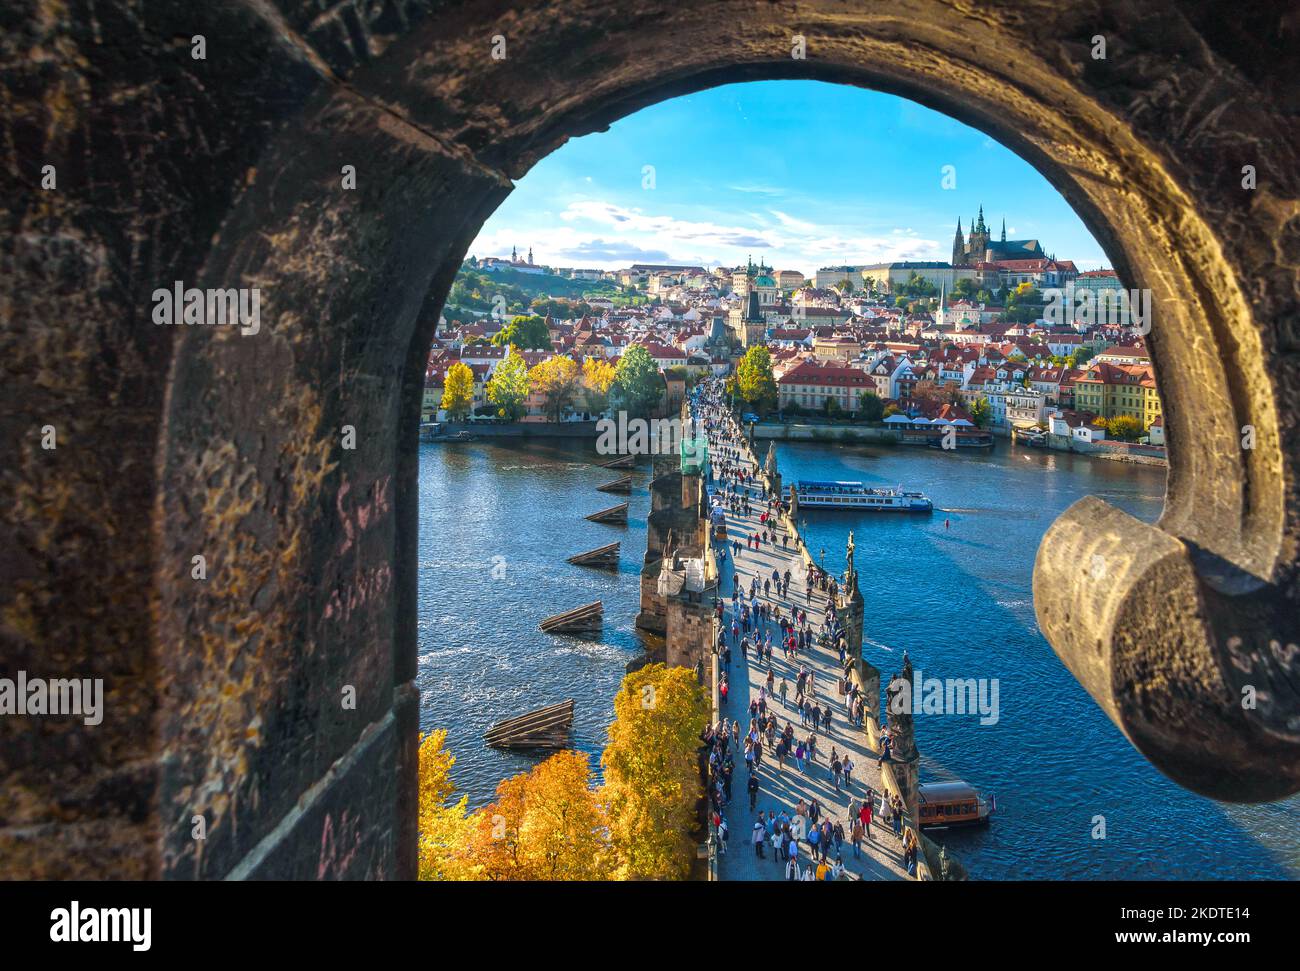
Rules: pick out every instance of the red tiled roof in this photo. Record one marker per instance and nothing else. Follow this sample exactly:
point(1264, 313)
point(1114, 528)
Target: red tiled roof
point(808, 373)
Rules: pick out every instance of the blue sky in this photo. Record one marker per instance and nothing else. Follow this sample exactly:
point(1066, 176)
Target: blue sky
point(801, 174)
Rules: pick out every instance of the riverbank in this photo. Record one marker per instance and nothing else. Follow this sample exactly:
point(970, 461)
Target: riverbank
point(583, 430)
point(879, 435)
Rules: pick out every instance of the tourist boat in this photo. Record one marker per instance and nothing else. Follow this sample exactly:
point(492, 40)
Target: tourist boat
point(855, 495)
point(953, 804)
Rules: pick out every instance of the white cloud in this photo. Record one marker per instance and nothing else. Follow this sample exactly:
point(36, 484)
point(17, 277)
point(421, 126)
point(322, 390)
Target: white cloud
point(604, 234)
point(790, 222)
point(628, 220)
point(755, 189)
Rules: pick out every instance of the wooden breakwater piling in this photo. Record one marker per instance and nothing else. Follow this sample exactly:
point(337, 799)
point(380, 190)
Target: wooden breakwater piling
point(586, 619)
point(602, 557)
point(623, 485)
point(614, 514)
point(547, 728)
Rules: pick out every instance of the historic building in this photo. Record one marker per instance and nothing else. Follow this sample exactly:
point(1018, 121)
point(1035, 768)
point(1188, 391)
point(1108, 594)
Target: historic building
point(756, 278)
point(1111, 390)
point(747, 321)
point(980, 247)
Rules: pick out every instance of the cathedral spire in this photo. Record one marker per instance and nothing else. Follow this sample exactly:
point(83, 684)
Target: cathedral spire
point(1004, 229)
point(958, 246)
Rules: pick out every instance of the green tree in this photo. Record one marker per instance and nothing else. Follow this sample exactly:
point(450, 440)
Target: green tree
point(530, 333)
point(754, 380)
point(981, 411)
point(458, 391)
point(870, 406)
point(508, 387)
point(1023, 305)
point(638, 386)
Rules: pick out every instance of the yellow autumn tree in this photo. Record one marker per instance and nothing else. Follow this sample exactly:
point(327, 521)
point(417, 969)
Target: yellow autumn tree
point(458, 391)
point(597, 377)
point(446, 828)
point(557, 378)
point(652, 777)
point(546, 824)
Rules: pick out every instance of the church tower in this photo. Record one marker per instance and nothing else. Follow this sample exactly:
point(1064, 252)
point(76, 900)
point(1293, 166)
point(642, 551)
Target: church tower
point(958, 246)
point(530, 256)
point(978, 242)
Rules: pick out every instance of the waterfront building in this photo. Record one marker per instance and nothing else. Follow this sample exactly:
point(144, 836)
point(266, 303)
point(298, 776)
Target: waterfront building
point(1024, 407)
point(810, 385)
point(1065, 426)
point(892, 376)
point(1111, 390)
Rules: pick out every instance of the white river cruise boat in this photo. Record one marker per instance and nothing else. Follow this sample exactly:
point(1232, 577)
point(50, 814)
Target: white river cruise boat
point(855, 495)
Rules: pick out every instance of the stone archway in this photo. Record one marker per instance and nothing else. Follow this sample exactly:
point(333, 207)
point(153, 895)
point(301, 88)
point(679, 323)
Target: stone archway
point(225, 695)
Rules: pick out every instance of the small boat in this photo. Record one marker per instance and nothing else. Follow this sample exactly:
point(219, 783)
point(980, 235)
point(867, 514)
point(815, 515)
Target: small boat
point(944, 804)
point(855, 495)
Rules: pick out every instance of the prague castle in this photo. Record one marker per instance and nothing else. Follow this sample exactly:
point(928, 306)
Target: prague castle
point(979, 246)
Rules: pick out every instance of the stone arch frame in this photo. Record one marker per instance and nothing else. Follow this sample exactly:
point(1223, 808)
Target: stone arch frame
point(225, 700)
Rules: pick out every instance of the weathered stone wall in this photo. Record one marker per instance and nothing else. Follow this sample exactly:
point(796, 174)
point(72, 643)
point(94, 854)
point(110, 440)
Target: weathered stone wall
point(690, 631)
point(224, 695)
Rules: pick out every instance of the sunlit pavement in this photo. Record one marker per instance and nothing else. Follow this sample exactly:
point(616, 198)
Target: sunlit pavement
point(782, 788)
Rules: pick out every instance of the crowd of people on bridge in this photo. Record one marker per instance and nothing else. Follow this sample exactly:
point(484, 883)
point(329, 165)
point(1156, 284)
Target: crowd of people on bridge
point(805, 841)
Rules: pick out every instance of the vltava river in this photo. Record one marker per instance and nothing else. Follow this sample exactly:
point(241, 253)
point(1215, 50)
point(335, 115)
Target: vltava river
point(497, 521)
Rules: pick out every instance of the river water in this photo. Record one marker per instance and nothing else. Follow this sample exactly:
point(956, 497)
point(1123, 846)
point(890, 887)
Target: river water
point(497, 521)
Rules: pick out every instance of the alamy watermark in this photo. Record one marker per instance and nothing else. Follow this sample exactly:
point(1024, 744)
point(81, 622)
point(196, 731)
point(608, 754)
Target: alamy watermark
point(946, 696)
point(55, 696)
point(1067, 305)
point(217, 307)
point(77, 924)
point(638, 436)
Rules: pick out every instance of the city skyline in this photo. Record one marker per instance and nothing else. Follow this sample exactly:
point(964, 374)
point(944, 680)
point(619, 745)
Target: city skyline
point(796, 187)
